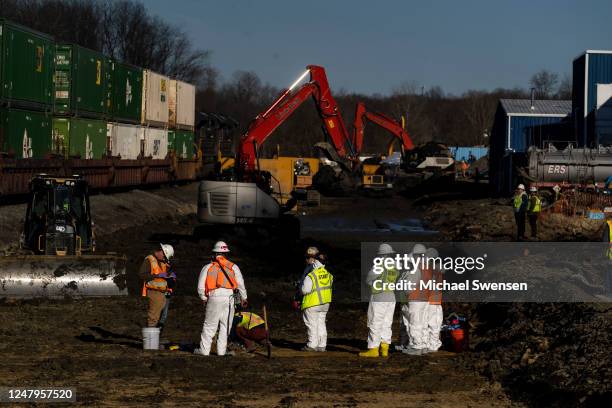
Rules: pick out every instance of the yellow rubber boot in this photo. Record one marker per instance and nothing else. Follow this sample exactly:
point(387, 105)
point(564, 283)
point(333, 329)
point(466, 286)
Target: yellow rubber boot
point(373, 352)
point(384, 350)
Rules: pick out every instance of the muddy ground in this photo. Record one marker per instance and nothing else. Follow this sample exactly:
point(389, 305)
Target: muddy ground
point(94, 345)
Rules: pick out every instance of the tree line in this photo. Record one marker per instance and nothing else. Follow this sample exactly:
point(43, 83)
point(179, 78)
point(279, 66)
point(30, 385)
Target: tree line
point(125, 30)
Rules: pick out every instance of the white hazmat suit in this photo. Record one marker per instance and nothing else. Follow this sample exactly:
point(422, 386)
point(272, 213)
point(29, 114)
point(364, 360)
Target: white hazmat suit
point(219, 311)
point(380, 314)
point(314, 317)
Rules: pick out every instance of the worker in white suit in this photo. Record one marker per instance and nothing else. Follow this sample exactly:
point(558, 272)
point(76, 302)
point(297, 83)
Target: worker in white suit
point(435, 314)
point(381, 307)
point(414, 313)
point(220, 285)
point(316, 289)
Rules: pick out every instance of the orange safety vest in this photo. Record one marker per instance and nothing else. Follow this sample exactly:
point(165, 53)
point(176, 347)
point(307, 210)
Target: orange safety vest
point(434, 297)
point(418, 295)
point(158, 284)
point(215, 278)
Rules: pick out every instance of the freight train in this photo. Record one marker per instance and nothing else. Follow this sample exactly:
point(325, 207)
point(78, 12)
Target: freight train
point(66, 109)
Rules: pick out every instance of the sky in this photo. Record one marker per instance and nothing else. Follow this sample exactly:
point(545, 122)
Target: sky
point(373, 46)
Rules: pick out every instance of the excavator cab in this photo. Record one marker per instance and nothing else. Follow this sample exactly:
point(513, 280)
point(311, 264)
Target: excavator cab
point(58, 219)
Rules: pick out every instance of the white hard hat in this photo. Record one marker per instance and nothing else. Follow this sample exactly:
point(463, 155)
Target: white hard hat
point(418, 249)
point(521, 187)
point(385, 249)
point(533, 189)
point(311, 252)
point(220, 247)
point(167, 250)
point(432, 253)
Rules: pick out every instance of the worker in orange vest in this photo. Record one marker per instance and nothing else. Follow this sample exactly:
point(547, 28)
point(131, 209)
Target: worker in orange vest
point(434, 305)
point(220, 286)
point(154, 272)
point(411, 321)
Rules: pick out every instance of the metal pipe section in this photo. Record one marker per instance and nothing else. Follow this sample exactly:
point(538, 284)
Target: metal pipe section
point(48, 276)
point(570, 165)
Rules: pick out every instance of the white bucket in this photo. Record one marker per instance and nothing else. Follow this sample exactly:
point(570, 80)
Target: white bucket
point(150, 338)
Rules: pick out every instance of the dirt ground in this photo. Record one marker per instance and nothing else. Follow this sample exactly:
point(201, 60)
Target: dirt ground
point(95, 344)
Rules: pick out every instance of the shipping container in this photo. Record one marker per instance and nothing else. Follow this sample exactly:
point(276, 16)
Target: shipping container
point(155, 143)
point(81, 138)
point(592, 88)
point(181, 105)
point(26, 67)
point(182, 143)
point(127, 93)
point(25, 134)
point(154, 99)
point(125, 141)
point(83, 82)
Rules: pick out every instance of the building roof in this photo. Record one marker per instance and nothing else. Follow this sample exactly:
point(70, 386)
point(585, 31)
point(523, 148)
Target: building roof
point(540, 107)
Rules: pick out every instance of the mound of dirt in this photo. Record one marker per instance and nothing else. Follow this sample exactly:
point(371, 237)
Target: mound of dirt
point(557, 353)
point(493, 220)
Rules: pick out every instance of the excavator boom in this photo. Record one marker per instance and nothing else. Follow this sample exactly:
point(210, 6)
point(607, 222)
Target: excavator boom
point(265, 123)
point(384, 121)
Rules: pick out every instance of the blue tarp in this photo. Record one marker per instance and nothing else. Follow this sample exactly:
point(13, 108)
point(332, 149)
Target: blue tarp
point(463, 153)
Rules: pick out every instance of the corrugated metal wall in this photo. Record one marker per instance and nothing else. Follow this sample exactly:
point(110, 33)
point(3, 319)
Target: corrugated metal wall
point(599, 71)
point(578, 98)
point(525, 131)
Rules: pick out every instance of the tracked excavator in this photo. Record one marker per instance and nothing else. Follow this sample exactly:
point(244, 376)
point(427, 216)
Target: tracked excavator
point(248, 198)
point(57, 247)
point(376, 177)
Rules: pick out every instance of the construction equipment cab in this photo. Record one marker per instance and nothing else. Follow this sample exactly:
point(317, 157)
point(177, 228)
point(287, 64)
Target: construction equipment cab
point(58, 220)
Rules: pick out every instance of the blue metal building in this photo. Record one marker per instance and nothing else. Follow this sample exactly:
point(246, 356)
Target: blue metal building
point(592, 93)
point(519, 124)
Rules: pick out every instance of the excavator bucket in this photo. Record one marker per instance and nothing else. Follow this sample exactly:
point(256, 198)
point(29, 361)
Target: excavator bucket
point(33, 276)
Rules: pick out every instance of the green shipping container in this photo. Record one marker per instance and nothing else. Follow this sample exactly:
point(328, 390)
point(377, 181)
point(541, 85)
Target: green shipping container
point(127, 93)
point(79, 137)
point(83, 82)
point(25, 134)
point(181, 142)
point(26, 67)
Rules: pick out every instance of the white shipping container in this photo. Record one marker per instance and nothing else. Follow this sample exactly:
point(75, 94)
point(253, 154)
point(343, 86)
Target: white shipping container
point(181, 105)
point(172, 103)
point(154, 98)
point(155, 143)
point(125, 140)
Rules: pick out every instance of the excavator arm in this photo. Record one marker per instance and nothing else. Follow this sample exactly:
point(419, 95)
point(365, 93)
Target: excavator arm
point(265, 123)
point(381, 120)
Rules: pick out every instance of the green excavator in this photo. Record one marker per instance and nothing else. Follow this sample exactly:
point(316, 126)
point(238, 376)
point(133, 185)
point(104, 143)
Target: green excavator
point(57, 247)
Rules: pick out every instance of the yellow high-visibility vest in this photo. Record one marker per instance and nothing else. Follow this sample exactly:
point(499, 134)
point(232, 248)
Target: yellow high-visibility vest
point(387, 276)
point(536, 206)
point(250, 320)
point(321, 292)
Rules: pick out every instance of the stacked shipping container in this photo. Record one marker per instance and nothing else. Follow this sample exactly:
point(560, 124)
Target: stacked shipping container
point(64, 100)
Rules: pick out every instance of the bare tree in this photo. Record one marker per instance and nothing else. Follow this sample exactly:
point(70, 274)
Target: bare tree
point(565, 88)
point(545, 83)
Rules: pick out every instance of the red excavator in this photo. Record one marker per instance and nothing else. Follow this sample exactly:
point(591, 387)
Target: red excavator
point(265, 123)
point(247, 198)
point(382, 120)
